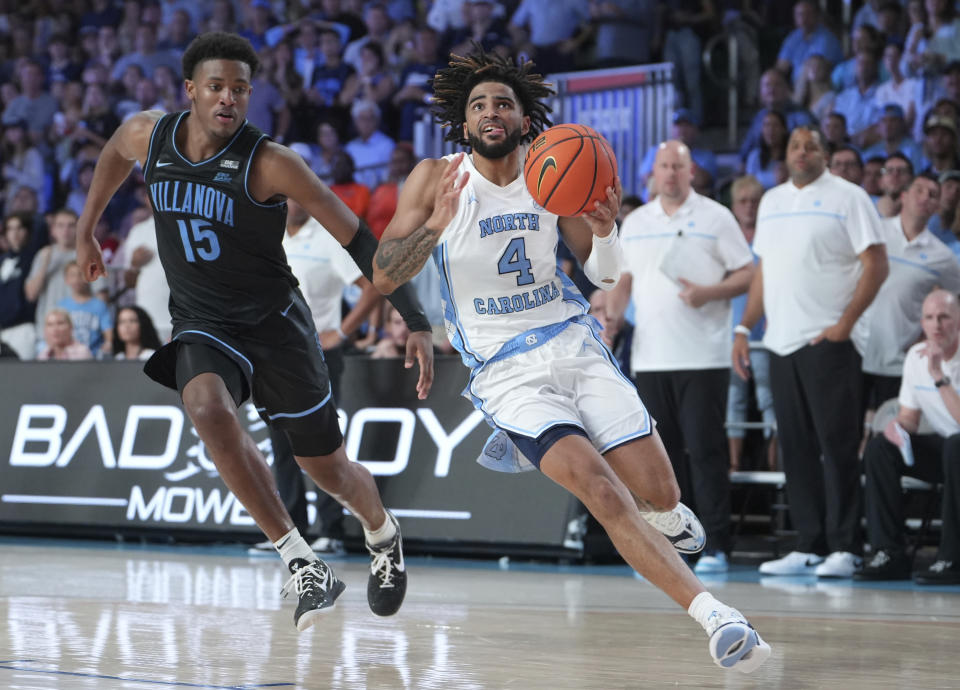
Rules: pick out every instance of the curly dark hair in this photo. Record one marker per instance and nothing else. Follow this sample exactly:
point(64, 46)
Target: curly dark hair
point(218, 45)
point(452, 85)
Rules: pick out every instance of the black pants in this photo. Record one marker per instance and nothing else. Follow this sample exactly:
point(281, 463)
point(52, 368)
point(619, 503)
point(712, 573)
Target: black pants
point(937, 459)
point(877, 389)
point(690, 408)
point(290, 479)
point(816, 397)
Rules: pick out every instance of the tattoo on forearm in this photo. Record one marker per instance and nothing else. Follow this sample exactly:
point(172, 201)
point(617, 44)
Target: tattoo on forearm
point(403, 258)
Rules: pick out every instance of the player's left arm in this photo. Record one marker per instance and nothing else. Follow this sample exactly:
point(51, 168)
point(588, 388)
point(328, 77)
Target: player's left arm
point(594, 240)
point(279, 172)
point(276, 172)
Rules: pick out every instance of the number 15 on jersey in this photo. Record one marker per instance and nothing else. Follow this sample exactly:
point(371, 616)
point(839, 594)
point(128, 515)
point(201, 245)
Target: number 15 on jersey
point(199, 240)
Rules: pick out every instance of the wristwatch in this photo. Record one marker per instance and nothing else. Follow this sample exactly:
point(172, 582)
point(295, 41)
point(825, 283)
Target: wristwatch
point(945, 381)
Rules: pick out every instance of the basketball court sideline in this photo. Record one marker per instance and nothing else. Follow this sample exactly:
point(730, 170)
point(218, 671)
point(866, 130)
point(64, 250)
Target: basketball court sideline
point(77, 614)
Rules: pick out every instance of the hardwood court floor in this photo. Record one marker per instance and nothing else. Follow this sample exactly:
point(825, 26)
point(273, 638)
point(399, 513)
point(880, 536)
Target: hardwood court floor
point(97, 616)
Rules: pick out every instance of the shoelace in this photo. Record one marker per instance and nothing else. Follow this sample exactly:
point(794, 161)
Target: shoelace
point(311, 576)
point(382, 567)
point(940, 566)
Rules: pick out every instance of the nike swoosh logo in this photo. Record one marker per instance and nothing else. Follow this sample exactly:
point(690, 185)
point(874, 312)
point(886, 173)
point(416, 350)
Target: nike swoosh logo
point(284, 312)
point(550, 162)
point(163, 165)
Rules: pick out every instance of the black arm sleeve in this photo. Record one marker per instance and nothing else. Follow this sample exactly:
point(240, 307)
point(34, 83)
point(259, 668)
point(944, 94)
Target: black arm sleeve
point(362, 248)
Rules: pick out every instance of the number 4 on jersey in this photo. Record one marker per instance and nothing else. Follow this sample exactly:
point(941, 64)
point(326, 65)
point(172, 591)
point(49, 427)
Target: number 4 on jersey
point(514, 260)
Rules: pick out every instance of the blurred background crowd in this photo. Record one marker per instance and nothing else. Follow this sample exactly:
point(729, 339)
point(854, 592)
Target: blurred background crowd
point(344, 83)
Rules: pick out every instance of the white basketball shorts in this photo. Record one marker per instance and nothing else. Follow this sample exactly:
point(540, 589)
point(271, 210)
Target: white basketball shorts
point(571, 379)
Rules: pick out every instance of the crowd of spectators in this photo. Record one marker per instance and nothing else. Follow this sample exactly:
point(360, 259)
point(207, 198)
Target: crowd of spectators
point(344, 83)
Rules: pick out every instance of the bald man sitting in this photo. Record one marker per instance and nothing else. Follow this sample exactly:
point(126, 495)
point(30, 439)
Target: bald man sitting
point(931, 375)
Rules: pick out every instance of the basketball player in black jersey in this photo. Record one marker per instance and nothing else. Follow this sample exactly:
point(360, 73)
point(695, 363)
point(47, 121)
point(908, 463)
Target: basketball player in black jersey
point(241, 327)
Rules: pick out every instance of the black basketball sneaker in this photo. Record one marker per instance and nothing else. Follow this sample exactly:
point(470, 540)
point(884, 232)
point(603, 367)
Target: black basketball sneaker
point(387, 583)
point(317, 588)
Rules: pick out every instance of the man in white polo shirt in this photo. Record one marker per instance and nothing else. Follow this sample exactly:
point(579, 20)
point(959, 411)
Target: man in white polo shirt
point(684, 258)
point(821, 262)
point(931, 373)
point(918, 263)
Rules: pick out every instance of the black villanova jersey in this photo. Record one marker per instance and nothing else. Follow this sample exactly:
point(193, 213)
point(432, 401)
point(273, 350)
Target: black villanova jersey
point(220, 249)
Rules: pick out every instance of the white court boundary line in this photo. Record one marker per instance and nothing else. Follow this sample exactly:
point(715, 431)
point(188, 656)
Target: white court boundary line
point(65, 500)
point(122, 502)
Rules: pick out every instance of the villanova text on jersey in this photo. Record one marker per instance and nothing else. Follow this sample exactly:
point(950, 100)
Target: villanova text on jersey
point(193, 198)
point(221, 249)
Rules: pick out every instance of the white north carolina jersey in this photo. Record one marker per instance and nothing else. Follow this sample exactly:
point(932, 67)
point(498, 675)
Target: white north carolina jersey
point(498, 269)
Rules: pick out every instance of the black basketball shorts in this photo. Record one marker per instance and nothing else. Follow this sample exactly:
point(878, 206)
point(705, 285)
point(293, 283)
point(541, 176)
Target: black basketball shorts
point(278, 363)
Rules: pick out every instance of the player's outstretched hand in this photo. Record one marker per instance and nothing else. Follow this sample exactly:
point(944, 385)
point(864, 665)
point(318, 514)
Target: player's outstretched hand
point(90, 259)
point(420, 348)
point(602, 217)
point(446, 199)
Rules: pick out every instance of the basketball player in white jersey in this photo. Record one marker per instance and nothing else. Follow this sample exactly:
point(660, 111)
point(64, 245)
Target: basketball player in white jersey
point(539, 370)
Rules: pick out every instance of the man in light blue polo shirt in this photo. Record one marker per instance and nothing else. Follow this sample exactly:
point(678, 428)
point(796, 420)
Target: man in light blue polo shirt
point(858, 103)
point(774, 95)
point(810, 37)
point(556, 29)
point(892, 128)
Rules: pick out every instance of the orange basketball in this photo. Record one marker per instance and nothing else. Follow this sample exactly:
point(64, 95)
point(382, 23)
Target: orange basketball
point(568, 167)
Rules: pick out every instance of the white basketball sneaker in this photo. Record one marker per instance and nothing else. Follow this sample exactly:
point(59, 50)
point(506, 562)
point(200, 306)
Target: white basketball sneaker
point(839, 564)
point(794, 563)
point(734, 644)
point(680, 526)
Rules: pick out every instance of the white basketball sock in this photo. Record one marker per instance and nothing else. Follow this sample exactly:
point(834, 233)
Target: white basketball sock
point(702, 606)
point(291, 545)
point(383, 534)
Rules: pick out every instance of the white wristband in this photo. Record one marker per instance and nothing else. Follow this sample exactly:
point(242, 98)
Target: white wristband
point(609, 239)
point(343, 336)
point(741, 330)
point(602, 267)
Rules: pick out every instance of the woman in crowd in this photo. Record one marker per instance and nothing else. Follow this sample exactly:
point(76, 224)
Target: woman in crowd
point(394, 341)
point(22, 162)
point(134, 335)
point(58, 336)
point(813, 90)
point(767, 162)
point(375, 83)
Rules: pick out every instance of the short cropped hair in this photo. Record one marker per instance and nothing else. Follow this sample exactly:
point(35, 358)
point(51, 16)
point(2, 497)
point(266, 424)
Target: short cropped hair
point(218, 45)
